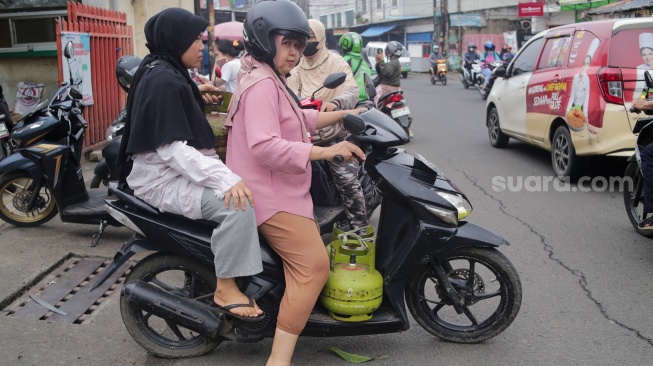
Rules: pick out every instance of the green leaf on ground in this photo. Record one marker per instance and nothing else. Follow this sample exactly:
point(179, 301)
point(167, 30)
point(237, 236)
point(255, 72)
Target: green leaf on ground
point(352, 358)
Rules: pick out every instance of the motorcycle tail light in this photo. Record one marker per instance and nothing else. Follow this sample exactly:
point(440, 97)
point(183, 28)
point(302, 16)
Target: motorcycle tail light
point(395, 98)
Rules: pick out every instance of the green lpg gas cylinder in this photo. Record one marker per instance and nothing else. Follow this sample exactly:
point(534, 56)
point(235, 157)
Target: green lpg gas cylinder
point(350, 247)
point(353, 290)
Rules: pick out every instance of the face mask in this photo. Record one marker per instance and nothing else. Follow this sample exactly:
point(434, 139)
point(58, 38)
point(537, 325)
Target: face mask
point(311, 48)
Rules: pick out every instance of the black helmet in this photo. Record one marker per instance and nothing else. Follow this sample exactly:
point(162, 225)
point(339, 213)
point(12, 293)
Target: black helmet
point(268, 17)
point(126, 68)
point(489, 46)
point(395, 48)
point(471, 46)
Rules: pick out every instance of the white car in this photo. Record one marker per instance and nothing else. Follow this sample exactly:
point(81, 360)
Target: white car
point(372, 48)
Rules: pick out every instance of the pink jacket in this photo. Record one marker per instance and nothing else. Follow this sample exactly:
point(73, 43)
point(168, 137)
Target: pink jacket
point(266, 150)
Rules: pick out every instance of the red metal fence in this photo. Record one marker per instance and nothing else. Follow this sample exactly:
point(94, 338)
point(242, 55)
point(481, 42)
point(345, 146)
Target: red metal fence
point(111, 38)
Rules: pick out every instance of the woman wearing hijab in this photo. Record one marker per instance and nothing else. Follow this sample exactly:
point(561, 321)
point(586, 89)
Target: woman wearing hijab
point(174, 165)
point(304, 80)
point(269, 147)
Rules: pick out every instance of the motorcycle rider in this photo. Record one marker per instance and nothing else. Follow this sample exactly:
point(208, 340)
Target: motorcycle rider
point(390, 71)
point(508, 55)
point(304, 80)
point(647, 170)
point(435, 56)
point(269, 147)
point(175, 167)
point(470, 56)
point(350, 46)
point(488, 57)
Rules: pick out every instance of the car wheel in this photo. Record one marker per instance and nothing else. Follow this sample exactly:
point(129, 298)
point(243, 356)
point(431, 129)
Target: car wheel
point(497, 138)
point(563, 155)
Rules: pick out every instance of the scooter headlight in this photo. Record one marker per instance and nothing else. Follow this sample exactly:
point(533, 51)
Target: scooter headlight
point(443, 214)
point(461, 204)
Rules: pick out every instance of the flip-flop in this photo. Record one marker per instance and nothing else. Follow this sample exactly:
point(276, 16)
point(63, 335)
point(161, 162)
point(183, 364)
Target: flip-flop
point(227, 311)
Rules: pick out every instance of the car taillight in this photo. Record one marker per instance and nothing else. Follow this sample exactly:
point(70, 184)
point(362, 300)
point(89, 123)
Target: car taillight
point(611, 83)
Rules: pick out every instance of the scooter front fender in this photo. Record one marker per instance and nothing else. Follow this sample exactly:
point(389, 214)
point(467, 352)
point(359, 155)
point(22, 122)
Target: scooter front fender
point(18, 162)
point(470, 235)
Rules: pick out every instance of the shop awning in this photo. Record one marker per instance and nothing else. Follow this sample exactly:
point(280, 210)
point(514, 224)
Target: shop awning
point(621, 6)
point(378, 30)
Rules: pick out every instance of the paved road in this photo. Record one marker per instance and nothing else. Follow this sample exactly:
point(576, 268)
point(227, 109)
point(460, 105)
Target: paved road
point(585, 273)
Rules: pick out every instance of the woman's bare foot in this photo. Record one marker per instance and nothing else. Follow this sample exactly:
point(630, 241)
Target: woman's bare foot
point(227, 293)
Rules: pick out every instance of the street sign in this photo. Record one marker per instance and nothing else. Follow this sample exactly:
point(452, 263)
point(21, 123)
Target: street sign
point(530, 10)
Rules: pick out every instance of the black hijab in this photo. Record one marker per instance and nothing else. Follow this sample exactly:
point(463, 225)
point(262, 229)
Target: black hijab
point(164, 104)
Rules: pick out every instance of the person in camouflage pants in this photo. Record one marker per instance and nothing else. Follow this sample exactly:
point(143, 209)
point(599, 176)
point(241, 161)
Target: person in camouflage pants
point(304, 80)
point(345, 178)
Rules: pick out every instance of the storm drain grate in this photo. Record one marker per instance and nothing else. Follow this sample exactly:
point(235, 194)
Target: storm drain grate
point(63, 295)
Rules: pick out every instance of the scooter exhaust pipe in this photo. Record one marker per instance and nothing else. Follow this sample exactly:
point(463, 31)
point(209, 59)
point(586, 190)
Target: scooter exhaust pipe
point(187, 313)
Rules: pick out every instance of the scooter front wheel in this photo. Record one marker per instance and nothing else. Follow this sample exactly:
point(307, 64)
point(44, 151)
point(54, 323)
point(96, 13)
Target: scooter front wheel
point(16, 190)
point(634, 197)
point(178, 275)
point(488, 285)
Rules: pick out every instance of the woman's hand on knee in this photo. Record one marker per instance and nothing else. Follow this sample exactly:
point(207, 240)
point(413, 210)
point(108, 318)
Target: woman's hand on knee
point(240, 194)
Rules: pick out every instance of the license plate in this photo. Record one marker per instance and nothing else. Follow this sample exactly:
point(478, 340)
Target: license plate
point(4, 132)
point(400, 112)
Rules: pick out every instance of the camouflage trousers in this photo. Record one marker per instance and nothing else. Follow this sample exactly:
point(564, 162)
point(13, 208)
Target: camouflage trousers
point(345, 178)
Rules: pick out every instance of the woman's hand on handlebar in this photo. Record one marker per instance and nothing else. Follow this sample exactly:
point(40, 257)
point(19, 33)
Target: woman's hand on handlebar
point(344, 150)
point(328, 107)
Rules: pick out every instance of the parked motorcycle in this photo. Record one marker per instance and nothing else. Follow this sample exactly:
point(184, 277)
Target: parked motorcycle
point(446, 271)
point(43, 176)
point(440, 72)
point(6, 147)
point(485, 92)
point(126, 68)
point(103, 170)
point(634, 193)
point(472, 76)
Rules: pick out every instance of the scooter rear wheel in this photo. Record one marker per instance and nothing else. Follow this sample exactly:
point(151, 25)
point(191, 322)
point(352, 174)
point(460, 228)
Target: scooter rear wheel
point(16, 189)
point(180, 276)
point(487, 283)
point(635, 210)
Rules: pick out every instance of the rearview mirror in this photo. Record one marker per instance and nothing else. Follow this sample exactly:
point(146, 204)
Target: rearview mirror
point(500, 71)
point(335, 80)
point(353, 124)
point(648, 77)
point(331, 82)
point(69, 50)
point(369, 87)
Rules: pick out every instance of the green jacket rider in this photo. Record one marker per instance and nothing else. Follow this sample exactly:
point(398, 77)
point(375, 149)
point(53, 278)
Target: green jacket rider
point(350, 46)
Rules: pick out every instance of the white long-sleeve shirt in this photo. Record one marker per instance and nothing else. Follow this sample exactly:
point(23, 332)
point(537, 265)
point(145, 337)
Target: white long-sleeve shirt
point(173, 177)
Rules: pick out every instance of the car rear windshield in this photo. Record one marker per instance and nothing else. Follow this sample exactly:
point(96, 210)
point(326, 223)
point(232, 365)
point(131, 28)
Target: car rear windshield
point(631, 50)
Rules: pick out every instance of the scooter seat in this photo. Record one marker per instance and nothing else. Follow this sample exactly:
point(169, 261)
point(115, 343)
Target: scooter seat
point(144, 206)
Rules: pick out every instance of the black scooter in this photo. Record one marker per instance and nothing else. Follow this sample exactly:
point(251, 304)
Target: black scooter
point(43, 175)
point(447, 271)
point(106, 170)
point(634, 193)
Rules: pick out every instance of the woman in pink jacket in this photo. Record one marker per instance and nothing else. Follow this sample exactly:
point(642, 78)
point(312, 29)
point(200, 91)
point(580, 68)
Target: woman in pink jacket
point(269, 148)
